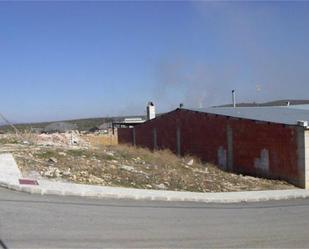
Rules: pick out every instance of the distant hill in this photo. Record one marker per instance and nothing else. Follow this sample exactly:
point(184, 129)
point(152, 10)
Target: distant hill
point(82, 124)
point(86, 124)
point(281, 102)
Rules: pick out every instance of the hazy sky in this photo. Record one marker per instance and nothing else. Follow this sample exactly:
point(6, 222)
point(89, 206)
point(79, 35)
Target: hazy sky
point(61, 60)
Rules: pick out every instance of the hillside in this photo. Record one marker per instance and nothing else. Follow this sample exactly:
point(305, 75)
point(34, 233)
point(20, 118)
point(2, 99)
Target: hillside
point(82, 124)
point(86, 124)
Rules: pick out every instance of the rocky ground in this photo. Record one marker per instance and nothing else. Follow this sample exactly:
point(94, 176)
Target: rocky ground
point(71, 158)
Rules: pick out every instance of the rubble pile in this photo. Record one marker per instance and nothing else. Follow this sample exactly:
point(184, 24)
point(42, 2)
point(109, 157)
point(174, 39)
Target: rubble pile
point(66, 139)
point(132, 167)
point(68, 157)
point(71, 138)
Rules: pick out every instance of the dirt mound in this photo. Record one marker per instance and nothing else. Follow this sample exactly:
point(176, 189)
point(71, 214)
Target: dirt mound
point(67, 139)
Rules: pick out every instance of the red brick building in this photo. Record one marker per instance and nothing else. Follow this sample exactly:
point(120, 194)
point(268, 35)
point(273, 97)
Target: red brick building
point(261, 141)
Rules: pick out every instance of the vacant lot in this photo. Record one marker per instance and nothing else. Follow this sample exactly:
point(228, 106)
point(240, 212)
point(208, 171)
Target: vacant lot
point(127, 166)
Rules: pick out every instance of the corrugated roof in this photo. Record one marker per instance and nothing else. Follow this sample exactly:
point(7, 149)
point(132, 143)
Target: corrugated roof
point(281, 102)
point(304, 107)
point(282, 115)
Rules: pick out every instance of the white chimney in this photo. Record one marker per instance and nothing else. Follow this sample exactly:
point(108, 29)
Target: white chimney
point(151, 111)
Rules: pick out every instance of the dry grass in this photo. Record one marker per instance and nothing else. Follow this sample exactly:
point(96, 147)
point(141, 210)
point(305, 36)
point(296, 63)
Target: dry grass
point(18, 138)
point(128, 166)
point(103, 139)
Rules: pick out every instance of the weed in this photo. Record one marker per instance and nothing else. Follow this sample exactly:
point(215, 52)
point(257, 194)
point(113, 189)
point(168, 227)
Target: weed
point(8, 141)
point(46, 154)
point(109, 157)
point(77, 153)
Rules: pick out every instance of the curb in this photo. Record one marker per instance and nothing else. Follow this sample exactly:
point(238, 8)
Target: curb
point(159, 195)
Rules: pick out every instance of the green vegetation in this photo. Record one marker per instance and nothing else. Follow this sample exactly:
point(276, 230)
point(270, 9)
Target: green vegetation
point(109, 157)
point(78, 153)
point(46, 154)
point(8, 141)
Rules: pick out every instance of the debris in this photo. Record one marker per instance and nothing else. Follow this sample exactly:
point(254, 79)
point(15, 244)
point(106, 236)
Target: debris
point(52, 172)
point(109, 153)
point(128, 168)
point(122, 166)
point(52, 160)
point(67, 172)
point(67, 139)
point(95, 180)
point(161, 186)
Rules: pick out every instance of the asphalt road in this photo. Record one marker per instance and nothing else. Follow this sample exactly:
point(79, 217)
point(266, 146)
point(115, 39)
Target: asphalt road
point(33, 221)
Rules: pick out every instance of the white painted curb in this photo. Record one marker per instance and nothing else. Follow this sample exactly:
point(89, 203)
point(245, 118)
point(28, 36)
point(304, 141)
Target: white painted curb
point(158, 195)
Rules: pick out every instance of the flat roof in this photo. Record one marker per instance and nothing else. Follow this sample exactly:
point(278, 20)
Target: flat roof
point(281, 115)
point(128, 123)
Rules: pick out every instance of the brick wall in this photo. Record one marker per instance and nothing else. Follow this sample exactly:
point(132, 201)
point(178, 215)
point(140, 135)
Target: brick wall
point(124, 135)
point(239, 145)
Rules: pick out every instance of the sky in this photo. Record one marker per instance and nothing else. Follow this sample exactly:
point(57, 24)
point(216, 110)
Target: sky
point(66, 60)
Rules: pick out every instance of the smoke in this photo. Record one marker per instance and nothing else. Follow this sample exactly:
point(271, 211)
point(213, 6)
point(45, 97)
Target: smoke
point(260, 50)
point(195, 85)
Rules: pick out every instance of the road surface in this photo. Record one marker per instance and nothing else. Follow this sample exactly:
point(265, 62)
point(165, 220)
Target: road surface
point(33, 221)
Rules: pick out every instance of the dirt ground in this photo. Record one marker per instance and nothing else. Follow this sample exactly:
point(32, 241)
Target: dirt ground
point(84, 159)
